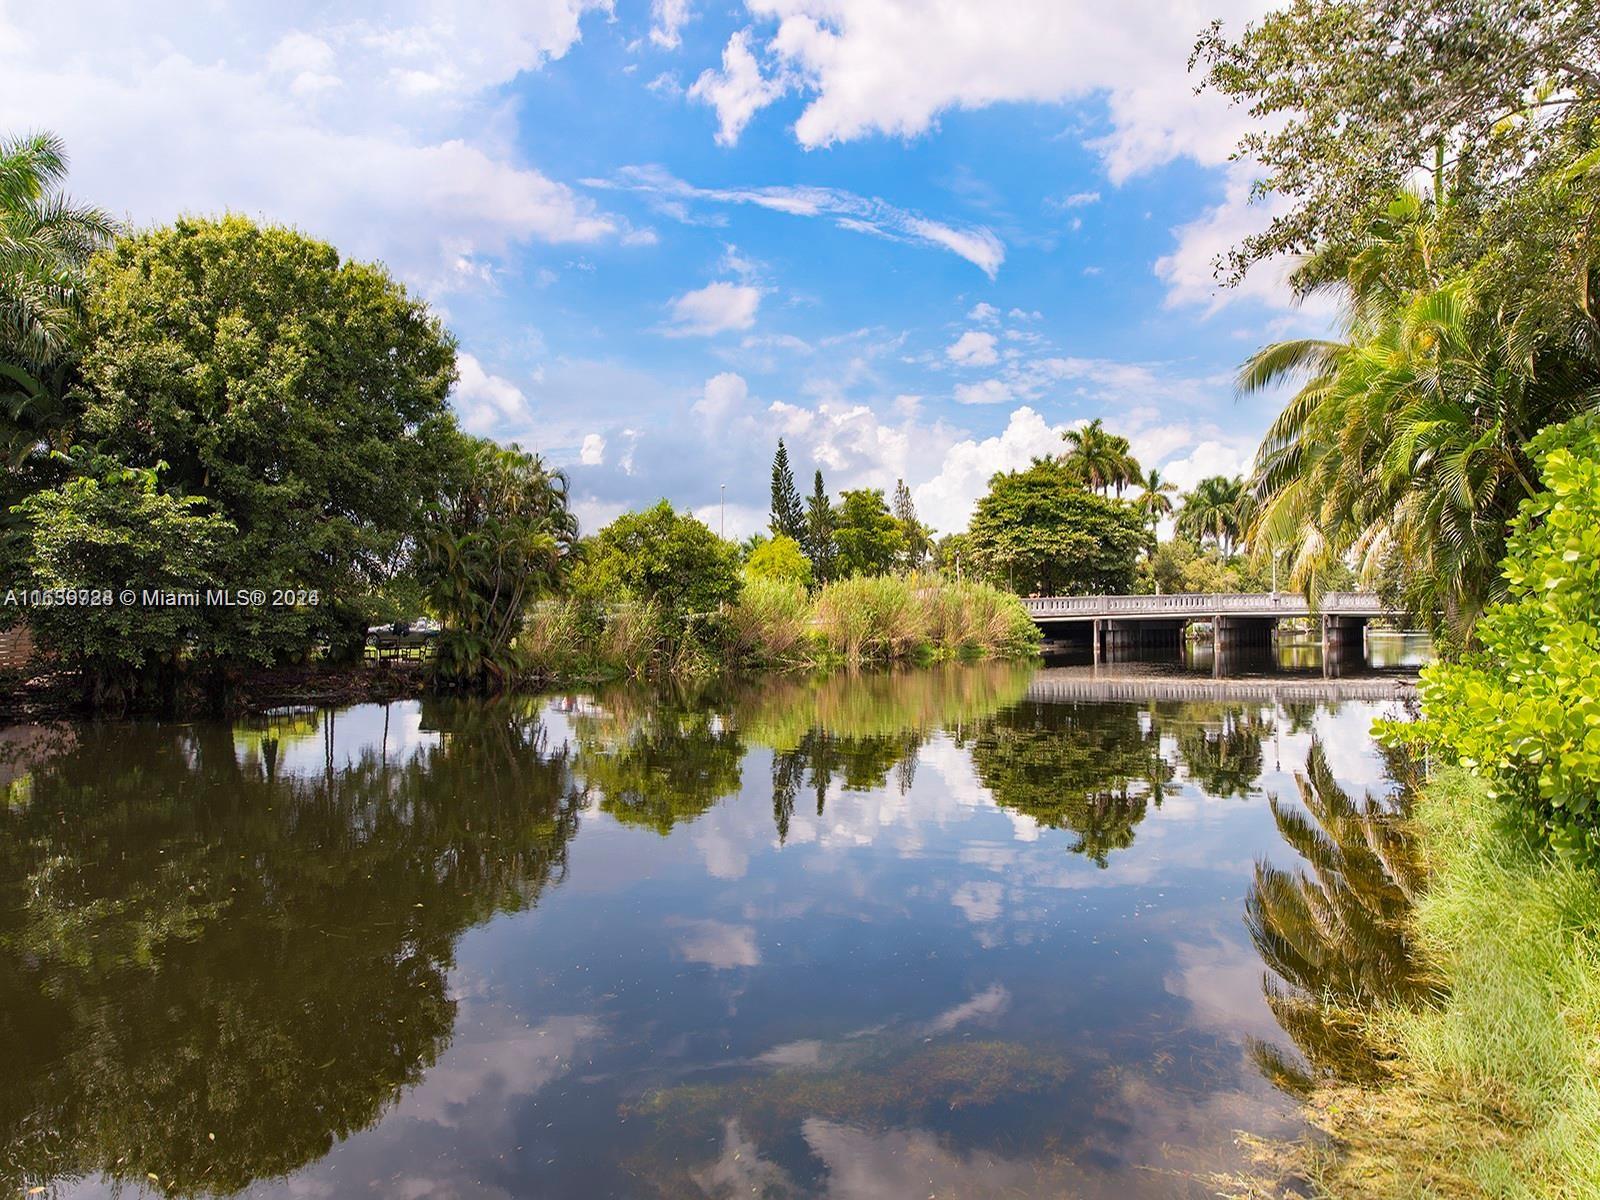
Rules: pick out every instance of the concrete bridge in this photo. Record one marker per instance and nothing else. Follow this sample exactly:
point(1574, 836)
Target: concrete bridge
point(1113, 623)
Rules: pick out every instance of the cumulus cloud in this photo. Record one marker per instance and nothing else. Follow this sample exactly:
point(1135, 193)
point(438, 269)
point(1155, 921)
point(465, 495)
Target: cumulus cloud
point(973, 349)
point(724, 395)
point(989, 391)
point(593, 451)
point(667, 19)
point(894, 66)
point(715, 308)
point(984, 313)
point(368, 135)
point(946, 500)
point(486, 402)
point(975, 243)
point(738, 91)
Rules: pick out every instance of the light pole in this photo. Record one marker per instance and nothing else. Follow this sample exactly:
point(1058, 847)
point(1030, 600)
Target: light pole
point(722, 522)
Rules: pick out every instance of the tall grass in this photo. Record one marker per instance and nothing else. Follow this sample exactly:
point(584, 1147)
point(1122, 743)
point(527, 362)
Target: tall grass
point(1494, 1091)
point(878, 619)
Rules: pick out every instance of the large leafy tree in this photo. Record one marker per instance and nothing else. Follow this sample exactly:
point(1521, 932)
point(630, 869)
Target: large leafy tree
point(1039, 530)
point(868, 540)
point(500, 536)
point(1155, 496)
point(1355, 98)
point(918, 537)
point(671, 559)
point(302, 394)
point(788, 518)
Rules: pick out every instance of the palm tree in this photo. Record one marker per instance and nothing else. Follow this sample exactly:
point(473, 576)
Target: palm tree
point(1214, 511)
point(45, 245)
point(1405, 447)
point(1103, 459)
point(1155, 497)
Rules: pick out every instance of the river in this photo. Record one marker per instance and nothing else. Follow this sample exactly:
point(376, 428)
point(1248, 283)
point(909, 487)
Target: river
point(962, 932)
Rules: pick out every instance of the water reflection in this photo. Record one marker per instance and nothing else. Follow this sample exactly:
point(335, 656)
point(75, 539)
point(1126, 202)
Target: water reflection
point(1335, 934)
point(864, 936)
point(213, 967)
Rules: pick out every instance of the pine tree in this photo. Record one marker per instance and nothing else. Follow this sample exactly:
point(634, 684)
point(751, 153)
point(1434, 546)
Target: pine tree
point(788, 518)
point(918, 537)
point(818, 539)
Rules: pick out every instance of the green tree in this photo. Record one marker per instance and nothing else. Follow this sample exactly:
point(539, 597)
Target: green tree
point(666, 557)
point(1039, 531)
point(45, 244)
point(500, 537)
point(304, 396)
point(1155, 496)
point(869, 540)
point(1353, 99)
point(111, 528)
point(1214, 511)
point(918, 537)
point(780, 558)
point(820, 523)
point(1405, 445)
point(1103, 460)
point(788, 517)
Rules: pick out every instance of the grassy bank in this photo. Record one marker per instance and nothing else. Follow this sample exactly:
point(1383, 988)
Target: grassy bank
point(1494, 1090)
point(777, 625)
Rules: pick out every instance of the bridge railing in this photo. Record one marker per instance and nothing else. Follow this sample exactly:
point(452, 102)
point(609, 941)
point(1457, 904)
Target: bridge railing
point(1203, 604)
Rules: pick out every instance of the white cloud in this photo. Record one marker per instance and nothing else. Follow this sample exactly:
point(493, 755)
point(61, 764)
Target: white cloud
point(738, 91)
point(485, 401)
point(317, 122)
point(724, 395)
point(983, 312)
point(715, 308)
point(977, 244)
point(717, 944)
point(667, 19)
point(946, 500)
point(973, 349)
point(593, 451)
point(893, 66)
point(989, 391)
point(1210, 457)
point(1078, 200)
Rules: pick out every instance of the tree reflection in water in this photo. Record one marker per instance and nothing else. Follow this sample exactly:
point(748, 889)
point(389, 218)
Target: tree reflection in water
point(1090, 769)
point(1335, 934)
point(212, 968)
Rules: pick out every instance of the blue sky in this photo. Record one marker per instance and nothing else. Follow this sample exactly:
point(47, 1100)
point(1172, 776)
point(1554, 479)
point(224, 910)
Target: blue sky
point(915, 238)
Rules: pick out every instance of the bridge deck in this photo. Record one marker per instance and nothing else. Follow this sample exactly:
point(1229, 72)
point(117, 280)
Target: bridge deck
point(1200, 606)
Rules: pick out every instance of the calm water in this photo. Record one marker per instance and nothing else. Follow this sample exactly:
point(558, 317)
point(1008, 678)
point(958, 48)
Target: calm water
point(934, 934)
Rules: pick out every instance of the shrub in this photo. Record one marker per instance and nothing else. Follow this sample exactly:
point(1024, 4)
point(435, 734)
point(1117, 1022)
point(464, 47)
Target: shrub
point(1523, 710)
point(779, 558)
point(871, 618)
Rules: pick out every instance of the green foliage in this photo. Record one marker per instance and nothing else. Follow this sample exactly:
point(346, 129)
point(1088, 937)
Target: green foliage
point(1355, 98)
point(670, 560)
point(501, 535)
point(1523, 711)
point(788, 517)
point(780, 558)
point(1039, 531)
point(1100, 460)
point(1214, 511)
point(304, 396)
point(917, 537)
point(771, 623)
point(867, 538)
point(820, 523)
point(885, 618)
point(114, 529)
